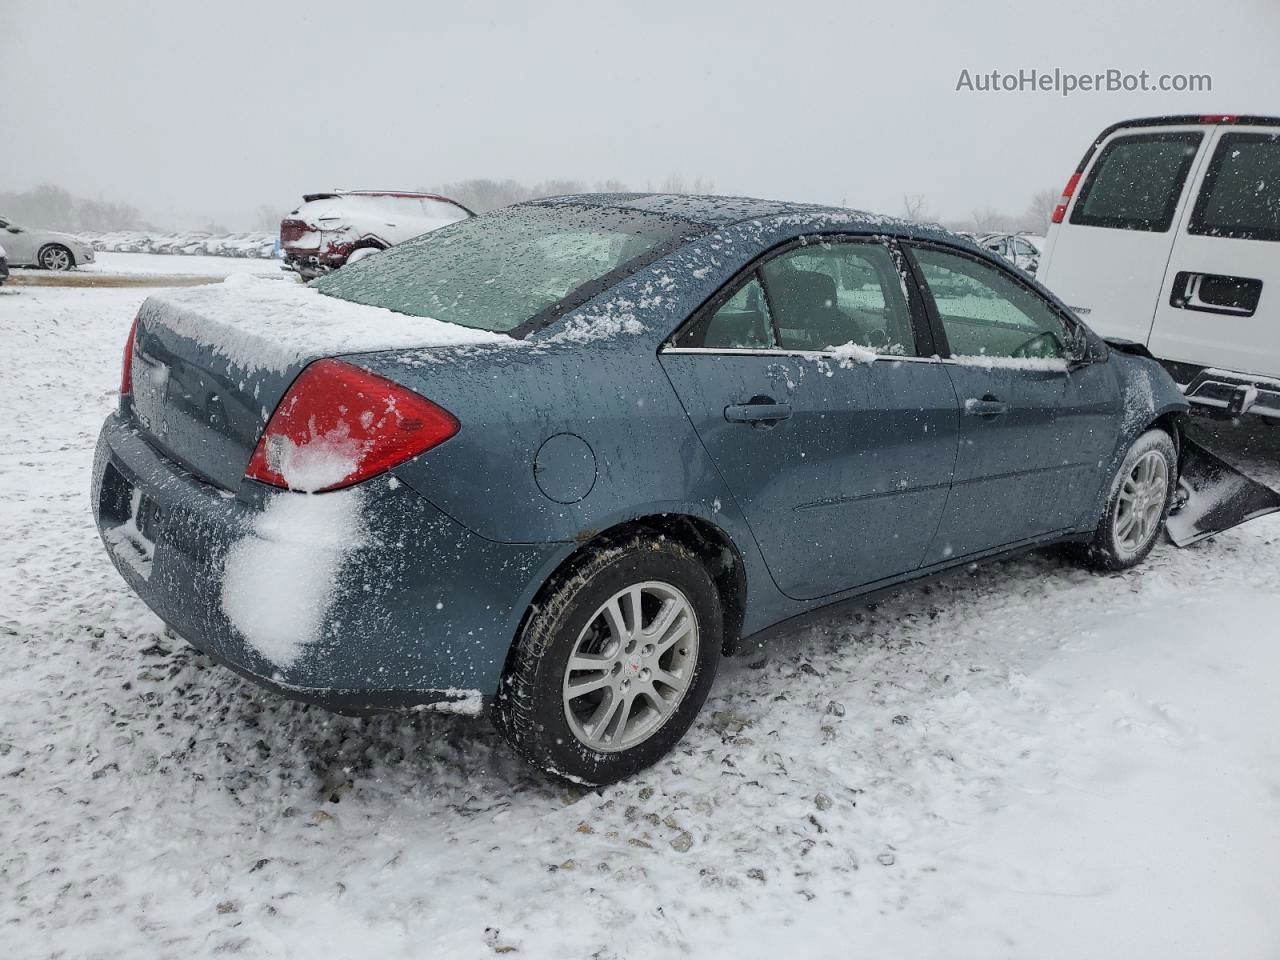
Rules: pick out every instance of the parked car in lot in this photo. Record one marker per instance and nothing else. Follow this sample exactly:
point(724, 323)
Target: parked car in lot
point(1168, 234)
point(46, 249)
point(557, 458)
point(1023, 250)
point(332, 229)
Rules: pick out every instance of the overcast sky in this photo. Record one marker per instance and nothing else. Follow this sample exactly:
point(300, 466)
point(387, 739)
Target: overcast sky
point(199, 111)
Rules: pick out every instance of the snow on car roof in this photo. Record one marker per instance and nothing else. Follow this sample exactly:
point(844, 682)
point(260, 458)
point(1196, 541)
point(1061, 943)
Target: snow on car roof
point(718, 211)
point(331, 194)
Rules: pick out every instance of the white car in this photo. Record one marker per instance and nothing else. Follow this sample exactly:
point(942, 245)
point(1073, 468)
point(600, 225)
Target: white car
point(332, 229)
point(43, 248)
point(1168, 235)
point(1023, 250)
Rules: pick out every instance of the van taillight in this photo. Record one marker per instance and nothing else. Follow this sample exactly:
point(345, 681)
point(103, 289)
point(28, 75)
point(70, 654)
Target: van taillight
point(126, 374)
point(1064, 201)
point(339, 425)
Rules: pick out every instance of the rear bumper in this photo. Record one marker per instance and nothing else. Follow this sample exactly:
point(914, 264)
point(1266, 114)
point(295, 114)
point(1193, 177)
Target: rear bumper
point(313, 262)
point(387, 604)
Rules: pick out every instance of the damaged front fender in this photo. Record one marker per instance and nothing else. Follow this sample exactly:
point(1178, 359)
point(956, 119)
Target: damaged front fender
point(1213, 496)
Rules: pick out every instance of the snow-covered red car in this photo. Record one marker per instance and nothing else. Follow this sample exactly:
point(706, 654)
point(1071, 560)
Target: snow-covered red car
point(332, 229)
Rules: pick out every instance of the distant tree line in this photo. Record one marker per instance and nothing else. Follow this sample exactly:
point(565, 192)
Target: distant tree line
point(53, 208)
point(1034, 218)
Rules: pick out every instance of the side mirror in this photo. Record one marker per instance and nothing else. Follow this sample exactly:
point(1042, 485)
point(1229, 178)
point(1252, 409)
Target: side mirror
point(12, 229)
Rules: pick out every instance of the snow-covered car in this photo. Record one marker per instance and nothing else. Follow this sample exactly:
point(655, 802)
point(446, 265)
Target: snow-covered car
point(495, 467)
point(46, 249)
point(1023, 250)
point(332, 229)
point(1168, 234)
point(4, 266)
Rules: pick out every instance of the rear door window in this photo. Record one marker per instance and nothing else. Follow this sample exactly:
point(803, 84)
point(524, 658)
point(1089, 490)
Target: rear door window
point(1240, 197)
point(741, 323)
point(832, 294)
point(1136, 181)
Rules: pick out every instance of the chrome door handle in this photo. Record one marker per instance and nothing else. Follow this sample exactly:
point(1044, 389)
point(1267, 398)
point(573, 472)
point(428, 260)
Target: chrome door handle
point(758, 413)
point(988, 406)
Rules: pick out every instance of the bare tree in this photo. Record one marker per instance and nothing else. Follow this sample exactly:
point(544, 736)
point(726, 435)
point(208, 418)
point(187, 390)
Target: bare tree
point(678, 184)
point(1039, 209)
point(267, 218)
point(915, 207)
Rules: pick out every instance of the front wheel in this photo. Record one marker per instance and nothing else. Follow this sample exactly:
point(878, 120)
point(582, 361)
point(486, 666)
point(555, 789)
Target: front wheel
point(56, 257)
point(614, 663)
point(1138, 504)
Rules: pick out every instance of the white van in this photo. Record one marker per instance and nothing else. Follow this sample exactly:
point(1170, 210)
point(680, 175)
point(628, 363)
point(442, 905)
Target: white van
point(1168, 234)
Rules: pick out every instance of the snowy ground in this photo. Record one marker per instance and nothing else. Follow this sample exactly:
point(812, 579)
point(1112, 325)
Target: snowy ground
point(1025, 761)
point(156, 264)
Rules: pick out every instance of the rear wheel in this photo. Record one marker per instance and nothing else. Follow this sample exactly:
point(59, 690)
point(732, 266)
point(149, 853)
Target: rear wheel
point(54, 256)
point(614, 663)
point(1138, 504)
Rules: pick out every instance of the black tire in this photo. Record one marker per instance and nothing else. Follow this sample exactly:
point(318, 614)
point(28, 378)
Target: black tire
point(1106, 550)
point(48, 259)
point(530, 708)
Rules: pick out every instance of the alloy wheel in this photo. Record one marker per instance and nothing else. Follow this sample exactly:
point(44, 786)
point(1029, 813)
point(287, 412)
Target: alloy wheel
point(1140, 502)
point(631, 666)
point(55, 258)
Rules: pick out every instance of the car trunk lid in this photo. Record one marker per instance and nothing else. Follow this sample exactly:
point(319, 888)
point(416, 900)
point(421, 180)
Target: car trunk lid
point(210, 364)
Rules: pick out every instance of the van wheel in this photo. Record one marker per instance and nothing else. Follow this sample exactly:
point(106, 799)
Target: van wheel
point(613, 663)
point(1138, 504)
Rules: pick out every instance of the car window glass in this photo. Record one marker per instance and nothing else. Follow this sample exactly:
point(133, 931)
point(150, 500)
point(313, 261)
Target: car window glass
point(985, 313)
point(741, 323)
point(520, 265)
point(439, 210)
point(826, 295)
point(1136, 181)
point(1240, 197)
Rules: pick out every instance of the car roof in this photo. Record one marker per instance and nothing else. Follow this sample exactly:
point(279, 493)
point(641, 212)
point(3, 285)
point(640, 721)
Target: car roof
point(410, 194)
point(721, 211)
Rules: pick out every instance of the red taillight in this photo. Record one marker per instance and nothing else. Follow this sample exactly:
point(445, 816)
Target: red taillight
point(1064, 201)
point(126, 374)
point(1219, 118)
point(292, 231)
point(338, 425)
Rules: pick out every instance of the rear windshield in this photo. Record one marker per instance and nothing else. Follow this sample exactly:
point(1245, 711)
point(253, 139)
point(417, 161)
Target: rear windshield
point(1241, 193)
point(1136, 182)
point(510, 270)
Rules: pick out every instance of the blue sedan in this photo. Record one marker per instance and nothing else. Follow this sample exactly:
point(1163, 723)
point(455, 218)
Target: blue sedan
point(554, 461)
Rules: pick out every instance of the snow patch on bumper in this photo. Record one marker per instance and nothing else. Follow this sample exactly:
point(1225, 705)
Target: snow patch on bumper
point(278, 582)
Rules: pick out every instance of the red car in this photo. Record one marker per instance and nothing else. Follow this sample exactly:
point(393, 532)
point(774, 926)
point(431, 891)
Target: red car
point(340, 227)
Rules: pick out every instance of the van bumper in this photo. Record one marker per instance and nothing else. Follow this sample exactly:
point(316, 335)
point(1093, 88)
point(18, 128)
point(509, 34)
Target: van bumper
point(1229, 394)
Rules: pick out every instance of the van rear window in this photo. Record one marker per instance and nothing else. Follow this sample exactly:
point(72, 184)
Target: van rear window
point(1136, 181)
point(1241, 193)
